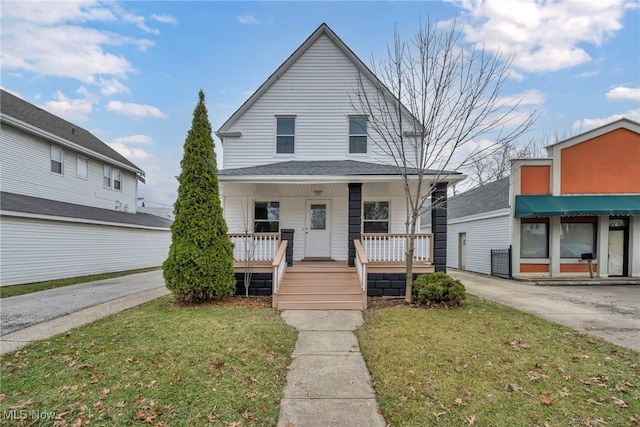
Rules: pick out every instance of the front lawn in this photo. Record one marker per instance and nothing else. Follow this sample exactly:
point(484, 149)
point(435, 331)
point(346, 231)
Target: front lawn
point(154, 365)
point(490, 365)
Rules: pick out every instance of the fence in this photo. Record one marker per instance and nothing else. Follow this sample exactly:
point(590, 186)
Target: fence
point(501, 263)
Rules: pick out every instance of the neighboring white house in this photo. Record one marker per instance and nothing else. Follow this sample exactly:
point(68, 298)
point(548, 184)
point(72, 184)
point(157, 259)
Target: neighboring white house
point(477, 222)
point(298, 157)
point(68, 202)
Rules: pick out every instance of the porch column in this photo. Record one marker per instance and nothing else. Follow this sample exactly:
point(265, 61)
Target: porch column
point(439, 227)
point(355, 218)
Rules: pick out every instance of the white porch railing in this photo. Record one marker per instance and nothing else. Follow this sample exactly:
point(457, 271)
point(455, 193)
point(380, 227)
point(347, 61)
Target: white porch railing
point(279, 265)
point(255, 246)
point(382, 247)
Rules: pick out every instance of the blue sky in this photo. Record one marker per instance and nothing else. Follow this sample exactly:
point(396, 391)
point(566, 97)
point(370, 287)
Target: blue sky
point(130, 72)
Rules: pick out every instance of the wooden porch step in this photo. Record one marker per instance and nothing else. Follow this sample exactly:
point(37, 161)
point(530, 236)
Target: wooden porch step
point(320, 305)
point(320, 288)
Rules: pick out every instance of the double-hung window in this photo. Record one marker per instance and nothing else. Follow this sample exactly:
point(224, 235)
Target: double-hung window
point(534, 240)
point(266, 217)
point(285, 135)
point(56, 159)
point(82, 167)
point(357, 135)
point(375, 217)
point(112, 178)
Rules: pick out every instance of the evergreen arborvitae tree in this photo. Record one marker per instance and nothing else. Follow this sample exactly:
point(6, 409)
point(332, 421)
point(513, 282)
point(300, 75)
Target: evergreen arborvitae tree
point(200, 262)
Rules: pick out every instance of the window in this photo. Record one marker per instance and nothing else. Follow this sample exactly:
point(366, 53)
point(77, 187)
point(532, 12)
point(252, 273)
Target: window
point(56, 159)
point(82, 167)
point(376, 217)
point(285, 135)
point(266, 217)
point(357, 135)
point(534, 240)
point(577, 238)
point(112, 178)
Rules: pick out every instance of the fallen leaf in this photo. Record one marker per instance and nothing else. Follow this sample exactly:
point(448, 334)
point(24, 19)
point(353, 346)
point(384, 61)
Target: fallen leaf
point(471, 420)
point(547, 399)
point(459, 402)
point(564, 393)
point(621, 403)
point(594, 402)
point(438, 415)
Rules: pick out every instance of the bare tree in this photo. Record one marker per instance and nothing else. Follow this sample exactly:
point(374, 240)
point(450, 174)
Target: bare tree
point(248, 248)
point(434, 97)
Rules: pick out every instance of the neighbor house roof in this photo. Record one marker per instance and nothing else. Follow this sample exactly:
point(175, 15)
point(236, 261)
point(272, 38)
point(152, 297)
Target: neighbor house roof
point(322, 168)
point(622, 123)
point(10, 202)
point(323, 29)
point(28, 117)
point(485, 198)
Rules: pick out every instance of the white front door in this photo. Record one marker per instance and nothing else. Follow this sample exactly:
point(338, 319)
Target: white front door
point(616, 252)
point(318, 229)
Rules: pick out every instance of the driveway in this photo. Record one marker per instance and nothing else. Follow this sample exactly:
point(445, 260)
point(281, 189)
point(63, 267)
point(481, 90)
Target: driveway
point(23, 311)
point(611, 312)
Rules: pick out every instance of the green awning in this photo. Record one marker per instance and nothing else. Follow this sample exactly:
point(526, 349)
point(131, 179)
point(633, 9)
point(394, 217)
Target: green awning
point(536, 206)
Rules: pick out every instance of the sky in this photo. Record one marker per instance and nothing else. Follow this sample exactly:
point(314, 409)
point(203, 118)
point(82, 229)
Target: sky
point(130, 71)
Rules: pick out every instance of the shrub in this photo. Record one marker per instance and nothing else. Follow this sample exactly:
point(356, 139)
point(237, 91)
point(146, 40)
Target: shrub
point(438, 288)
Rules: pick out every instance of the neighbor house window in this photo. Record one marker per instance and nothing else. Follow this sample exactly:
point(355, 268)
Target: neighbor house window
point(375, 217)
point(82, 167)
point(56, 159)
point(285, 135)
point(112, 178)
point(266, 217)
point(534, 240)
point(357, 134)
point(577, 238)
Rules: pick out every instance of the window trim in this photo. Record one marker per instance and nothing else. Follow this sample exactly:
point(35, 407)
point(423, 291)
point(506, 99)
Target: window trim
point(111, 177)
point(547, 227)
point(295, 120)
point(267, 220)
point(365, 134)
point(61, 161)
point(85, 160)
point(388, 220)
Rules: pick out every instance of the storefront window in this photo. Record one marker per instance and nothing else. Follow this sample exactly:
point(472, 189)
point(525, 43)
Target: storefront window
point(534, 240)
point(577, 238)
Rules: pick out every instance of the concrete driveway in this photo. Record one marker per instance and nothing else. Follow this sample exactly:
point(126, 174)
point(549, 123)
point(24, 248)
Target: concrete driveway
point(26, 310)
point(611, 312)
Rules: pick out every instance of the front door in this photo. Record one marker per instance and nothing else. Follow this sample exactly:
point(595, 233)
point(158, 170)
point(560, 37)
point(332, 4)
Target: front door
point(318, 229)
point(618, 241)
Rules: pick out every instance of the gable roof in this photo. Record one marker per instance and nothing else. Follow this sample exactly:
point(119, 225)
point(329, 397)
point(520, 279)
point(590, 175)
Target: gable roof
point(485, 198)
point(622, 123)
point(28, 117)
point(332, 168)
point(323, 29)
point(11, 202)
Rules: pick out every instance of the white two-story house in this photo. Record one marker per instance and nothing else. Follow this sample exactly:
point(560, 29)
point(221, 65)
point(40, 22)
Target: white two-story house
point(68, 202)
point(300, 164)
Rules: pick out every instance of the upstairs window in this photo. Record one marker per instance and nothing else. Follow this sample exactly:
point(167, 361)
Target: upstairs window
point(56, 159)
point(82, 167)
point(112, 178)
point(357, 135)
point(375, 217)
point(266, 217)
point(285, 135)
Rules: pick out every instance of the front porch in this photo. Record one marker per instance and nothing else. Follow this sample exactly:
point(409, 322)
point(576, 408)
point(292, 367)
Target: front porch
point(378, 270)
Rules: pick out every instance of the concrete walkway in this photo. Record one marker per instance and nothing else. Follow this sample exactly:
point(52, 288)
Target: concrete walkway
point(328, 383)
point(611, 312)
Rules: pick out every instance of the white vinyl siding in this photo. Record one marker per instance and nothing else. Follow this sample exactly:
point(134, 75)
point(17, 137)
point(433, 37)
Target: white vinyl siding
point(482, 235)
point(316, 89)
point(26, 170)
point(33, 250)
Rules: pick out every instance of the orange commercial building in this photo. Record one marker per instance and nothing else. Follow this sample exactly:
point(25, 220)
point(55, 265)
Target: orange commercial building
point(577, 212)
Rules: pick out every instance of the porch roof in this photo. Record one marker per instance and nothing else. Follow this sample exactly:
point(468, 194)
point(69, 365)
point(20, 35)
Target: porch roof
point(296, 170)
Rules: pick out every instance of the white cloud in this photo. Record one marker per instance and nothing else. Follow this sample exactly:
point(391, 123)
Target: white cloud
point(137, 110)
point(588, 124)
point(543, 35)
point(248, 18)
point(73, 110)
point(63, 41)
point(134, 154)
point(165, 19)
point(587, 74)
point(622, 93)
point(134, 139)
point(529, 97)
point(112, 87)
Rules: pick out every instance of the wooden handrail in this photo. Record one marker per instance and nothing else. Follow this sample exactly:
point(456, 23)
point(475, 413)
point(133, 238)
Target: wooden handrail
point(282, 250)
point(360, 251)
